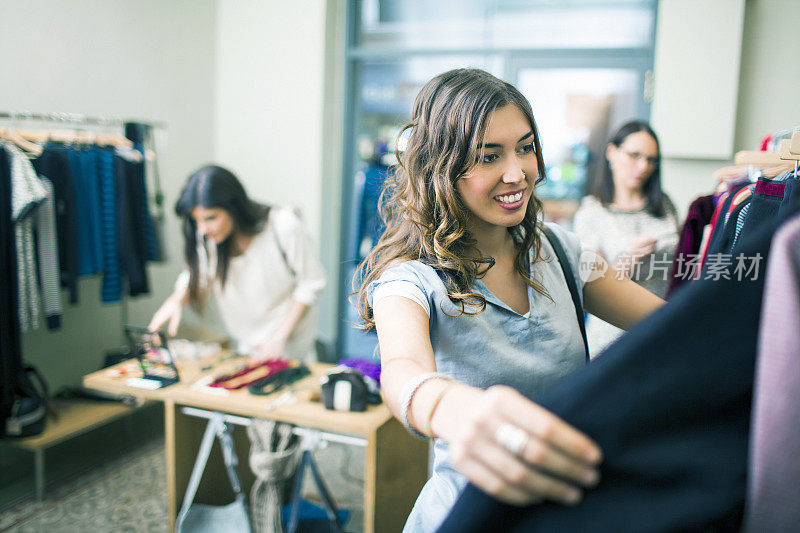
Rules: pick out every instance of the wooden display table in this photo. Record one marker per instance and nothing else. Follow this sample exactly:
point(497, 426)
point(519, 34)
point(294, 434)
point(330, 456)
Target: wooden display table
point(75, 416)
point(395, 463)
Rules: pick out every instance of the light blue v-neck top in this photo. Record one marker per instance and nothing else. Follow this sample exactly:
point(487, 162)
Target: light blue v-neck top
point(528, 352)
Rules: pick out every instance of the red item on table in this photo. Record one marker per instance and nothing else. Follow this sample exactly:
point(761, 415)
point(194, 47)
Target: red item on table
point(249, 375)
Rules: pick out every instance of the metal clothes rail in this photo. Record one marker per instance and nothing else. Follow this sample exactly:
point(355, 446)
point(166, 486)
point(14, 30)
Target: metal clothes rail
point(75, 118)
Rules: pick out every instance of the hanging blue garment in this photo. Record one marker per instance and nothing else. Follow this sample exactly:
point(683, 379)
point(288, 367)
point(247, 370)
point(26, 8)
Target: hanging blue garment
point(370, 225)
point(92, 190)
point(87, 200)
point(81, 215)
point(111, 290)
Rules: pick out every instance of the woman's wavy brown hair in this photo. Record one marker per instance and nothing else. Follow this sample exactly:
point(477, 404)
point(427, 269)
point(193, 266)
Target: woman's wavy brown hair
point(425, 217)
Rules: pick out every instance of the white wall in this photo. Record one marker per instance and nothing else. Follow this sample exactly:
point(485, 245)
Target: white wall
point(700, 40)
point(768, 93)
point(269, 95)
point(147, 59)
point(270, 113)
point(769, 86)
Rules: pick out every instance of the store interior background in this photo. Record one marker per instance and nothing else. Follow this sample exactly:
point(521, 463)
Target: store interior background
point(259, 86)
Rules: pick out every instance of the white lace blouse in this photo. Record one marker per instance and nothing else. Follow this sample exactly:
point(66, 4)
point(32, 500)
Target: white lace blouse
point(611, 231)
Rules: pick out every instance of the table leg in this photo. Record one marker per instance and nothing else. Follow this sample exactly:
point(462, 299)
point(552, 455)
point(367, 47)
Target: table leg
point(38, 480)
point(396, 468)
point(169, 451)
point(183, 434)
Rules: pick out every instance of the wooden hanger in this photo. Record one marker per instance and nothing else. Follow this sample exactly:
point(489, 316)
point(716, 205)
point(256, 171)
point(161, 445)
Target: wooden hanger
point(786, 151)
point(794, 145)
point(77, 136)
point(31, 149)
point(116, 139)
point(758, 158)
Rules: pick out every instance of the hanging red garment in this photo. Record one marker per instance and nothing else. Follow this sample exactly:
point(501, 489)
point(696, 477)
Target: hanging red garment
point(765, 142)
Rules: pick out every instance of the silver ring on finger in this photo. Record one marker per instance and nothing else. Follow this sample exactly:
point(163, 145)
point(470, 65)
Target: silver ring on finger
point(511, 438)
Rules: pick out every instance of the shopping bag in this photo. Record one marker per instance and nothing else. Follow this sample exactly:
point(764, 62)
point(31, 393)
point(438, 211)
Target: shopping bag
point(203, 518)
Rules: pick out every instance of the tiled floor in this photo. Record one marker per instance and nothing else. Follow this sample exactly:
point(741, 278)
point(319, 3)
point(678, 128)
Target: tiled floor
point(74, 457)
point(113, 479)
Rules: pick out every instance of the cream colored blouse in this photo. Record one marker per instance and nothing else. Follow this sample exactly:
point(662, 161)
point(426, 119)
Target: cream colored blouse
point(611, 231)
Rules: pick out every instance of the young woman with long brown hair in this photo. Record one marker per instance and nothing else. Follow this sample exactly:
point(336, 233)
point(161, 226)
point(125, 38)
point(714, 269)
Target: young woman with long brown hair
point(472, 309)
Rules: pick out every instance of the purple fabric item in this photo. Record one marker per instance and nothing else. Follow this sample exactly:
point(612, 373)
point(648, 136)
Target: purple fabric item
point(366, 368)
point(700, 213)
point(770, 188)
point(774, 470)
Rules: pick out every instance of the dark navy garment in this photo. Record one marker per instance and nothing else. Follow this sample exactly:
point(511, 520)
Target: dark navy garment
point(54, 163)
point(669, 404)
point(10, 350)
point(715, 244)
point(130, 226)
point(791, 195)
point(728, 232)
point(149, 244)
point(764, 205)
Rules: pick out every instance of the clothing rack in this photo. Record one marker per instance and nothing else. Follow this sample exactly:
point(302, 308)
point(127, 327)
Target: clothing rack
point(758, 158)
point(787, 149)
point(75, 121)
point(75, 118)
point(794, 143)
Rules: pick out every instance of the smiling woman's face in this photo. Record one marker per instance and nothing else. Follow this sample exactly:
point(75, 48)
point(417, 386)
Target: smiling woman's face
point(498, 188)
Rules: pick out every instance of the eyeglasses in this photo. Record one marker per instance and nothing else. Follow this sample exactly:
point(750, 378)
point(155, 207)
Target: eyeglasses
point(636, 156)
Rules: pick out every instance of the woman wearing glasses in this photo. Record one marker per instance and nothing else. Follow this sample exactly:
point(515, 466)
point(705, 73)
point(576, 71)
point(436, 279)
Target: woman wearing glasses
point(628, 219)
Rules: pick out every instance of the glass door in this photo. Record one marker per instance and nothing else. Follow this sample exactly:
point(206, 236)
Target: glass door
point(581, 63)
point(576, 108)
point(384, 94)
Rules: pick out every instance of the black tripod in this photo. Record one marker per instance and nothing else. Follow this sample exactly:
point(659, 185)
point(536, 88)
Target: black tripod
point(307, 460)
